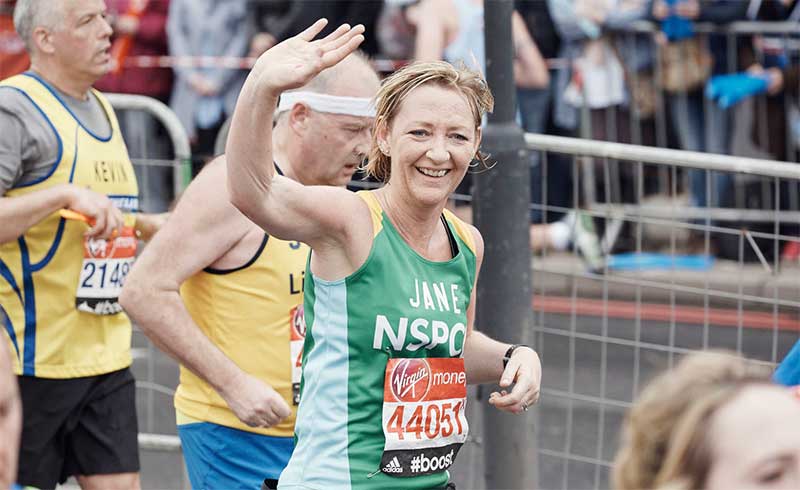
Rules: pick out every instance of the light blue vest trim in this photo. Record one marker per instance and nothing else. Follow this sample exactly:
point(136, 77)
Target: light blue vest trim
point(320, 458)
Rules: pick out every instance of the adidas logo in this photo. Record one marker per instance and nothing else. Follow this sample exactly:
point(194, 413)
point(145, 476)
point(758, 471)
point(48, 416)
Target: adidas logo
point(393, 466)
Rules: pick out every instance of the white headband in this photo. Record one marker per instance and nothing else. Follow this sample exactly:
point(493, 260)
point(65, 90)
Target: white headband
point(335, 104)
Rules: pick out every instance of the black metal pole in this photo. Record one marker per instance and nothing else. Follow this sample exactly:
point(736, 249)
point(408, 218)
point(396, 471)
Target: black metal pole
point(501, 202)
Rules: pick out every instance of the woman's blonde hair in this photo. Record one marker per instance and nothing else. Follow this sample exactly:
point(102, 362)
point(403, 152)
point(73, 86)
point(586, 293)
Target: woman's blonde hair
point(396, 88)
point(665, 439)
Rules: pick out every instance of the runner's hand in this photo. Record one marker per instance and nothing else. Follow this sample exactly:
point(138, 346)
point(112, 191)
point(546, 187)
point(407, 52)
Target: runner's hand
point(295, 61)
point(524, 369)
point(107, 219)
point(254, 402)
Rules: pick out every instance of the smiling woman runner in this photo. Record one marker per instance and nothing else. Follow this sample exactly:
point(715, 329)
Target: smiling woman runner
point(390, 287)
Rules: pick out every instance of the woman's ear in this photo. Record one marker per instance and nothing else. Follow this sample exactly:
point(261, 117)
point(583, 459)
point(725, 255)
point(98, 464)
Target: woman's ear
point(382, 136)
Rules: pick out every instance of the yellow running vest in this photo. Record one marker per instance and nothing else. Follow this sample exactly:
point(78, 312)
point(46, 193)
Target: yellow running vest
point(40, 272)
point(254, 314)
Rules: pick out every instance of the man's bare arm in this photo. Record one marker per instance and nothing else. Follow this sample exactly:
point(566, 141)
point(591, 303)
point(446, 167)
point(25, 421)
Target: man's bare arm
point(19, 214)
point(203, 227)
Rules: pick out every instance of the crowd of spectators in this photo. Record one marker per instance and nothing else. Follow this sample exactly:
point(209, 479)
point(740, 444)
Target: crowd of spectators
point(581, 69)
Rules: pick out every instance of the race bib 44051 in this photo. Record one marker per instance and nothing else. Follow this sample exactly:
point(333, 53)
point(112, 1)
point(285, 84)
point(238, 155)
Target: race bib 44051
point(424, 418)
point(106, 263)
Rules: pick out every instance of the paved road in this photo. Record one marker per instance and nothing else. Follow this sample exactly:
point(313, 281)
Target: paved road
point(561, 424)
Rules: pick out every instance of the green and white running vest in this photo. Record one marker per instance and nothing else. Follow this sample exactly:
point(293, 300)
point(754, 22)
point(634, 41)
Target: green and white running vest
point(383, 386)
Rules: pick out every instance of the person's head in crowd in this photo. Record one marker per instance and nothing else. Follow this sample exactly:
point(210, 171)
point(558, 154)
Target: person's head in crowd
point(7, 7)
point(10, 419)
point(428, 112)
point(69, 40)
point(714, 422)
point(326, 125)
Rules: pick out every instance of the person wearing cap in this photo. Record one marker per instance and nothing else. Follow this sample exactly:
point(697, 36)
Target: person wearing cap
point(226, 300)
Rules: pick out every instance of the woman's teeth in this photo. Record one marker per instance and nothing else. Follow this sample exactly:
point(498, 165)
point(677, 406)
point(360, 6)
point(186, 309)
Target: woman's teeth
point(432, 173)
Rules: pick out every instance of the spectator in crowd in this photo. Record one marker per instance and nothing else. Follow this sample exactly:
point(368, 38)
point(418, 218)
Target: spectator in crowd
point(203, 97)
point(688, 61)
point(607, 67)
point(604, 60)
point(353, 12)
point(10, 419)
point(713, 422)
point(273, 20)
point(140, 29)
point(228, 394)
point(396, 29)
point(13, 57)
point(61, 152)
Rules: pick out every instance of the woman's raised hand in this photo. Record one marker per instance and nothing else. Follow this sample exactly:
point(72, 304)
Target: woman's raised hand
point(297, 60)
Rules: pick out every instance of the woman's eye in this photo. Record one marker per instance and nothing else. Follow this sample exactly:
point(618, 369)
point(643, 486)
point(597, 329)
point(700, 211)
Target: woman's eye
point(418, 132)
point(459, 137)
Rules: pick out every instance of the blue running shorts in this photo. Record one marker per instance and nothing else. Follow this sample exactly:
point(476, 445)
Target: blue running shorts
point(219, 457)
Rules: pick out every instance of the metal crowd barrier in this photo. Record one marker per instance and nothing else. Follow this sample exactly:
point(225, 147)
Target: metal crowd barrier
point(603, 334)
point(667, 125)
point(160, 152)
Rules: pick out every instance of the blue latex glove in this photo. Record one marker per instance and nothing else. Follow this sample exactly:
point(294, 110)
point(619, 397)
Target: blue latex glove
point(676, 27)
point(788, 372)
point(727, 90)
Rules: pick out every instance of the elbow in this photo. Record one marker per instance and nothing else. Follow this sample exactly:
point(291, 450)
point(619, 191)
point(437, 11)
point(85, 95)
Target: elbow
point(131, 297)
point(238, 199)
point(247, 195)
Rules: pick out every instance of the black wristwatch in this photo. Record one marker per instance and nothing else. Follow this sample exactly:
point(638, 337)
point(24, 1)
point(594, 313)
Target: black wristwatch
point(510, 351)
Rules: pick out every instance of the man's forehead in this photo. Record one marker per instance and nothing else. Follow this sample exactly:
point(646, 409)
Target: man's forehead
point(80, 8)
point(352, 120)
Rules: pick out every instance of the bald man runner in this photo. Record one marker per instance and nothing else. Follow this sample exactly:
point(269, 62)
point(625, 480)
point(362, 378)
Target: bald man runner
point(225, 299)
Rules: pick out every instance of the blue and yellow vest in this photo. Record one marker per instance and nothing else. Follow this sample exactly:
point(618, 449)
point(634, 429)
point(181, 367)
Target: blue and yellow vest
point(254, 314)
point(40, 271)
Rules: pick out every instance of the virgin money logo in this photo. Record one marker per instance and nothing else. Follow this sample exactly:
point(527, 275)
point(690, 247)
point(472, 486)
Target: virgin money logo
point(410, 380)
point(298, 321)
point(100, 248)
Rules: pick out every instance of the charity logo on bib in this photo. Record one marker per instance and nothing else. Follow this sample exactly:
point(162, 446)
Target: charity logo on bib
point(424, 419)
point(106, 264)
point(297, 335)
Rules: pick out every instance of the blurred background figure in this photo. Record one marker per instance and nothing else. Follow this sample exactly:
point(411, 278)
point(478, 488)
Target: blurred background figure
point(140, 29)
point(204, 97)
point(13, 57)
point(714, 422)
point(273, 19)
point(688, 60)
point(366, 12)
point(396, 32)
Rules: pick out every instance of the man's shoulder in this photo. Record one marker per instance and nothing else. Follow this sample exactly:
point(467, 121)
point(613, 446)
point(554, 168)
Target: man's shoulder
point(15, 100)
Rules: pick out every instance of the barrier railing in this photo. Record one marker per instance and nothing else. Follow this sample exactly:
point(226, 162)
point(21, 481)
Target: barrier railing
point(161, 113)
point(760, 126)
point(163, 170)
point(603, 333)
